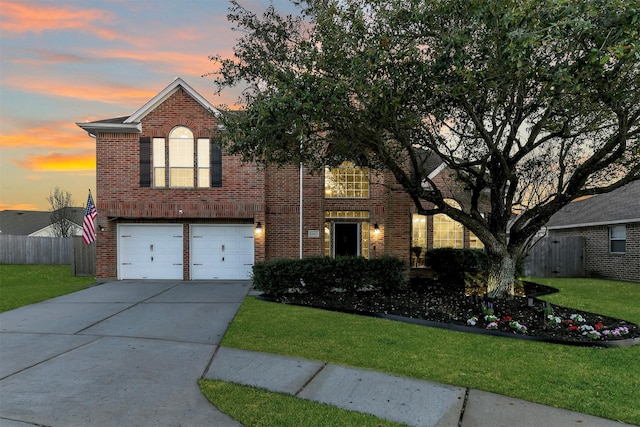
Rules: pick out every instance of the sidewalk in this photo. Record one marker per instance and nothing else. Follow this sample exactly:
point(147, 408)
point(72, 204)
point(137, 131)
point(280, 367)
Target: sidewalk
point(406, 400)
point(131, 354)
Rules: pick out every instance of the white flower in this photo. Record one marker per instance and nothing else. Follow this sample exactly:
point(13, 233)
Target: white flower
point(577, 318)
point(553, 318)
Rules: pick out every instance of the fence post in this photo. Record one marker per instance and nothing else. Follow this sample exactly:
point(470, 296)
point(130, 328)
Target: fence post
point(84, 258)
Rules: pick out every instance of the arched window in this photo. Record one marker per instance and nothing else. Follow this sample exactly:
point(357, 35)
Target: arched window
point(447, 233)
point(181, 157)
point(186, 161)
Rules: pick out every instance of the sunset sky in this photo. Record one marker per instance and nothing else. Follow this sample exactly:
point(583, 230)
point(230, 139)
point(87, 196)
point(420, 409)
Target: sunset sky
point(68, 61)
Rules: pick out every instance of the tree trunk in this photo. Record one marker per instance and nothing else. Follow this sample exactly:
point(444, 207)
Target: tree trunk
point(501, 275)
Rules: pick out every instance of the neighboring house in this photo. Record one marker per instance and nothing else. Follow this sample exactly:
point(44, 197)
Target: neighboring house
point(35, 223)
point(172, 205)
point(610, 226)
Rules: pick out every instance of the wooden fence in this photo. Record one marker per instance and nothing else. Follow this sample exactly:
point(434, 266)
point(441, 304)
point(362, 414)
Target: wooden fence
point(556, 257)
point(49, 250)
point(84, 258)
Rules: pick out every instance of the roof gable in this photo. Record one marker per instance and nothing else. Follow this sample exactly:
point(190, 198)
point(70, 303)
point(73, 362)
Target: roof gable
point(617, 207)
point(164, 95)
point(131, 124)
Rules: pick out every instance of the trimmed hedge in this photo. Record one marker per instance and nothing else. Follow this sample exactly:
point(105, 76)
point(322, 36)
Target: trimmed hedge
point(452, 265)
point(323, 275)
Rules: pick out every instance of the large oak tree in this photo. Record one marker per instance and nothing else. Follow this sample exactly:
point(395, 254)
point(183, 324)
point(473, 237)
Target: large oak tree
point(531, 104)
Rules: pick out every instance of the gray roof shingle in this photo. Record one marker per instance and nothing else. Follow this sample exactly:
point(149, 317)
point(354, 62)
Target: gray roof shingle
point(619, 206)
point(23, 223)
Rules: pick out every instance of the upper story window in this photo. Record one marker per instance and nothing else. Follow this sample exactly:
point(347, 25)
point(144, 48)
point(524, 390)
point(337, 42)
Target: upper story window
point(346, 181)
point(618, 239)
point(159, 179)
point(447, 233)
point(185, 161)
point(181, 158)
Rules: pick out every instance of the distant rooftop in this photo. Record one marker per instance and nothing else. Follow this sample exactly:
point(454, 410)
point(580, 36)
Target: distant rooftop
point(617, 207)
point(24, 223)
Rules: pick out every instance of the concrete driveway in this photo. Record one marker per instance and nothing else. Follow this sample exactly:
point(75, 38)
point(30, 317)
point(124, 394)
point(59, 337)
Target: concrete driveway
point(121, 353)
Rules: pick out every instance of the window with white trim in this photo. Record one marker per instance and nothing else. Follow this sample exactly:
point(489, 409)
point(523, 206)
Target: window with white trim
point(186, 162)
point(159, 179)
point(618, 239)
point(181, 157)
point(418, 240)
point(447, 233)
point(346, 181)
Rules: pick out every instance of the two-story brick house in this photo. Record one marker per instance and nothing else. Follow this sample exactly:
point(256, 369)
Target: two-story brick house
point(172, 205)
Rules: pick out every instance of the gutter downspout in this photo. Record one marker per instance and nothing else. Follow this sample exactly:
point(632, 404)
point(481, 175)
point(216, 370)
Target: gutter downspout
point(301, 205)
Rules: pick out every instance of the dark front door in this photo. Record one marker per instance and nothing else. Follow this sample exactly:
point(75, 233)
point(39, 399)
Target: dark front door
point(346, 239)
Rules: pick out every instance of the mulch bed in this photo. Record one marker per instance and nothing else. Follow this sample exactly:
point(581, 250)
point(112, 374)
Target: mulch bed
point(436, 305)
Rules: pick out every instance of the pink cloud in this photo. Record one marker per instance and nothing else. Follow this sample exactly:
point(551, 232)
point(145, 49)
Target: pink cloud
point(46, 57)
point(109, 94)
point(179, 62)
point(25, 17)
point(50, 135)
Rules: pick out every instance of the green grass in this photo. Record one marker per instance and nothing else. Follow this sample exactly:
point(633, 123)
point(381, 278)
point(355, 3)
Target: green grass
point(604, 382)
point(27, 284)
point(606, 297)
point(601, 382)
point(255, 407)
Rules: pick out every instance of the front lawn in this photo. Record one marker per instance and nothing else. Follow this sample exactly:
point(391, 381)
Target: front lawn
point(27, 284)
point(603, 382)
point(254, 407)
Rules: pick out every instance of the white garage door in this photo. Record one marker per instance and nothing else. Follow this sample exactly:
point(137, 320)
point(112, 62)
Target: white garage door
point(151, 251)
point(221, 251)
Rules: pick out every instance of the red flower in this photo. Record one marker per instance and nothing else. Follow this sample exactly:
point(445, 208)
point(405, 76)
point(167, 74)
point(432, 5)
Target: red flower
point(599, 326)
point(506, 319)
point(573, 328)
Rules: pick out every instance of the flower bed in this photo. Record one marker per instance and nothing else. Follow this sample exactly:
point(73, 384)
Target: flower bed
point(519, 317)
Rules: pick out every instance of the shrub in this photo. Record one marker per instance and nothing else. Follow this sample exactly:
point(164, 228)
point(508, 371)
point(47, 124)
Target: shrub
point(275, 276)
point(453, 265)
point(323, 275)
point(387, 274)
point(317, 273)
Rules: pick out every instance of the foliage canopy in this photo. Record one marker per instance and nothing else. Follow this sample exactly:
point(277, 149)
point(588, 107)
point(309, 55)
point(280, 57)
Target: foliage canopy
point(530, 104)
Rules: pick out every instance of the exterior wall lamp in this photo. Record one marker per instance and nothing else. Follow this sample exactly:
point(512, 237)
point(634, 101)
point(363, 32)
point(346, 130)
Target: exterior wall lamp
point(376, 228)
point(258, 227)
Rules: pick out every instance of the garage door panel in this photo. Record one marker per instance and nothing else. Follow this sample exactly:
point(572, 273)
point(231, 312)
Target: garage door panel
point(150, 251)
point(221, 251)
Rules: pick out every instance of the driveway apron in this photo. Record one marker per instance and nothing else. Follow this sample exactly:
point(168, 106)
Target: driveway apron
point(121, 353)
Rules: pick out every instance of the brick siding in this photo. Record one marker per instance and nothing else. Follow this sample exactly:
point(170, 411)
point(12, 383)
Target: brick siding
point(120, 198)
point(248, 195)
point(599, 262)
